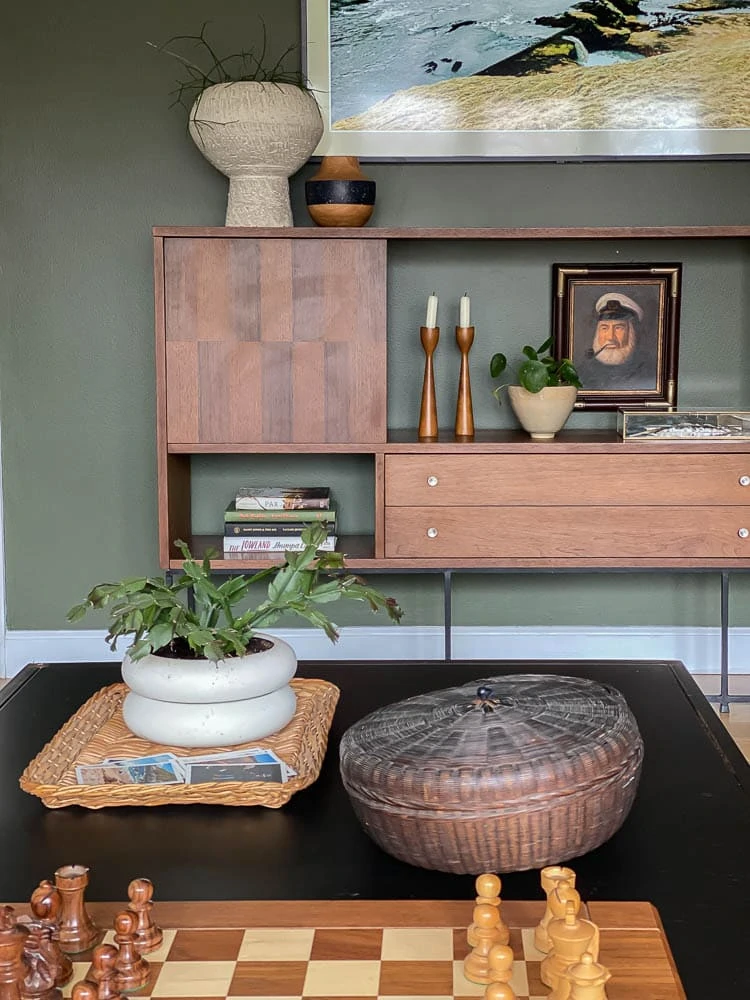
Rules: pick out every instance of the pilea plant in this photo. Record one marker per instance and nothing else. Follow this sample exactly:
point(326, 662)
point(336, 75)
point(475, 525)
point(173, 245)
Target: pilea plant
point(538, 370)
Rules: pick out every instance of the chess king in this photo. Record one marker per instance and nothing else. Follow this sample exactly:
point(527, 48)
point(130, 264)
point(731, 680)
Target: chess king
point(617, 328)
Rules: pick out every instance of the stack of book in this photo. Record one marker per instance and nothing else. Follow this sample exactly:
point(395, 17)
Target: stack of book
point(272, 518)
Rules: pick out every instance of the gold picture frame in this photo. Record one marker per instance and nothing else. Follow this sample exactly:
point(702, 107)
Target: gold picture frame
point(620, 328)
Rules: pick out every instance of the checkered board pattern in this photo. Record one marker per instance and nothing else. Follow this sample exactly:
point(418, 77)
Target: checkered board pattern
point(316, 950)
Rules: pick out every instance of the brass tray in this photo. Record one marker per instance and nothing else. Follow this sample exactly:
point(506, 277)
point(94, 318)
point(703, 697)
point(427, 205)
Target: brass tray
point(97, 731)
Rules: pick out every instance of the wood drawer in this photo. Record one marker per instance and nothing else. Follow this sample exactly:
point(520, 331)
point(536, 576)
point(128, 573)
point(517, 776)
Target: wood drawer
point(544, 479)
point(578, 533)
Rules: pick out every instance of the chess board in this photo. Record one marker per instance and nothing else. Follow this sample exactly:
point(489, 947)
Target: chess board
point(368, 950)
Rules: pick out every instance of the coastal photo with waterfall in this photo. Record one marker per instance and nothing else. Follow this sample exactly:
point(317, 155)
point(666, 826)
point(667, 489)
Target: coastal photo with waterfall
point(468, 78)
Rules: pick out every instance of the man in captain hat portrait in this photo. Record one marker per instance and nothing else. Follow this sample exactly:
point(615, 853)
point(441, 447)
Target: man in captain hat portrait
point(623, 348)
point(617, 328)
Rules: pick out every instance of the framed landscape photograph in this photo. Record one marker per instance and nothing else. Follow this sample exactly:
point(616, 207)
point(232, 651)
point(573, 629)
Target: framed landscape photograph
point(620, 327)
point(540, 79)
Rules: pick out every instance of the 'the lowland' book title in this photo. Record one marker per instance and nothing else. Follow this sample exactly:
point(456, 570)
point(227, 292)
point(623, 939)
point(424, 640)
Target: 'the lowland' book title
point(232, 515)
point(283, 498)
point(280, 544)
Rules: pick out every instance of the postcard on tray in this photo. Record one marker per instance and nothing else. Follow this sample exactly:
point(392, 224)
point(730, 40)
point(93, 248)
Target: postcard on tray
point(250, 755)
point(154, 773)
point(227, 770)
point(168, 759)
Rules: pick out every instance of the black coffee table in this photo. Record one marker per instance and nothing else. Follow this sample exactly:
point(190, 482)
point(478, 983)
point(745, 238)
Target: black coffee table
point(685, 846)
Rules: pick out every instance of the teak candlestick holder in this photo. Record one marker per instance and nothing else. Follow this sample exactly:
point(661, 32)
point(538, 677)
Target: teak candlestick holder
point(464, 410)
point(428, 421)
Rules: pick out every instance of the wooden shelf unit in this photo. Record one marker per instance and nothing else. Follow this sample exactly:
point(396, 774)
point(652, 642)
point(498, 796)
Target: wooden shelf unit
point(273, 341)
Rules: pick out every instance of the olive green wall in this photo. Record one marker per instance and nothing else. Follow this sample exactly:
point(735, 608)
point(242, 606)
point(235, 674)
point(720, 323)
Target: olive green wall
point(92, 156)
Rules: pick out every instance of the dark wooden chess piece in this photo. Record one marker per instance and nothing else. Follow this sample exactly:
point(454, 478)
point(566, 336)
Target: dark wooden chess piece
point(46, 905)
point(103, 972)
point(40, 964)
point(77, 931)
point(12, 939)
point(132, 970)
point(464, 406)
point(148, 936)
point(84, 991)
point(428, 419)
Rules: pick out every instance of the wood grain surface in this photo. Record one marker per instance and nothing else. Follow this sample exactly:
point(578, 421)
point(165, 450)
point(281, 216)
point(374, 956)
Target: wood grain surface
point(568, 533)
point(619, 480)
point(273, 340)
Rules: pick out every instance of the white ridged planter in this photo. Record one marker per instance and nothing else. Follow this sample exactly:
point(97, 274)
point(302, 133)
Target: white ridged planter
point(542, 413)
point(258, 135)
point(196, 703)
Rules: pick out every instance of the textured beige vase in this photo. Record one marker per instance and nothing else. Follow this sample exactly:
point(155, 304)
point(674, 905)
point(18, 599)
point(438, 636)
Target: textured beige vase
point(542, 413)
point(258, 135)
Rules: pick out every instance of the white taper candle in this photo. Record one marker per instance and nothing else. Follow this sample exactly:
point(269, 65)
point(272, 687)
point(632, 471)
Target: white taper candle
point(432, 304)
point(464, 311)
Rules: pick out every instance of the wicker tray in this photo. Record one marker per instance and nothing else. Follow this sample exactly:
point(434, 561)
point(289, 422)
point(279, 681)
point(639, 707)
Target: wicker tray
point(97, 731)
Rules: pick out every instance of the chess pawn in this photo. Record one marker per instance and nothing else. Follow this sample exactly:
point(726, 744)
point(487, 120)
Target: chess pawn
point(45, 905)
point(560, 893)
point(148, 936)
point(477, 962)
point(103, 972)
point(132, 970)
point(77, 931)
point(488, 888)
point(501, 963)
point(571, 936)
point(587, 979)
point(84, 991)
point(12, 939)
point(499, 991)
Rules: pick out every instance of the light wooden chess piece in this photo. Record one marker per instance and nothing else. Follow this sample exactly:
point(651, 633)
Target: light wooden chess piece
point(132, 970)
point(477, 962)
point(488, 888)
point(571, 936)
point(45, 905)
point(464, 407)
point(148, 936)
point(499, 991)
point(77, 931)
point(428, 418)
point(501, 970)
point(587, 979)
point(560, 888)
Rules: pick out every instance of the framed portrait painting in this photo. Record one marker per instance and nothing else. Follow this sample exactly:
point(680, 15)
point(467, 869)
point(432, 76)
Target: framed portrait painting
point(620, 328)
point(537, 79)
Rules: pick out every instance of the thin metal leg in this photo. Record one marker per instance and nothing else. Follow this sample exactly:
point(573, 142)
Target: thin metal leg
point(447, 596)
point(724, 688)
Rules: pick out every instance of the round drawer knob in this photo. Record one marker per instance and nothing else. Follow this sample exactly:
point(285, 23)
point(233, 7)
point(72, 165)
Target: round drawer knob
point(433, 481)
point(744, 480)
point(432, 532)
point(743, 532)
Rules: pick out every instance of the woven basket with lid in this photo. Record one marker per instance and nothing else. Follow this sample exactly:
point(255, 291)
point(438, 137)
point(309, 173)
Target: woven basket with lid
point(503, 774)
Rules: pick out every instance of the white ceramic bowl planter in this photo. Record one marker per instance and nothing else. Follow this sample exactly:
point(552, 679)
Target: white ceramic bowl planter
point(542, 414)
point(197, 703)
point(258, 134)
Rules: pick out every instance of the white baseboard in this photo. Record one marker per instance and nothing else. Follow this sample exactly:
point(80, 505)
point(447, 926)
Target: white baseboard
point(698, 648)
